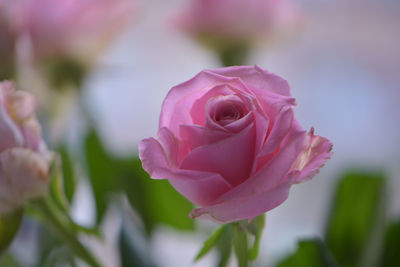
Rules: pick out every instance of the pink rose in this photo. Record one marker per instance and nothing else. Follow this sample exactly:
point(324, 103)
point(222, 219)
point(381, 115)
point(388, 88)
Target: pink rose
point(228, 141)
point(71, 28)
point(237, 20)
point(24, 159)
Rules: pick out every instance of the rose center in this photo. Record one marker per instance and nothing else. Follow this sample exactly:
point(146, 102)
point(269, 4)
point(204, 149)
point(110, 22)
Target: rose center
point(228, 112)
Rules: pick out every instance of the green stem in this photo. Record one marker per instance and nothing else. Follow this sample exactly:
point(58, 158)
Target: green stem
point(55, 220)
point(240, 245)
point(234, 54)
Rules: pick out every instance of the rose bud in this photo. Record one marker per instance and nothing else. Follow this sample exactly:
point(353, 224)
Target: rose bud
point(232, 27)
point(24, 159)
point(229, 142)
point(67, 36)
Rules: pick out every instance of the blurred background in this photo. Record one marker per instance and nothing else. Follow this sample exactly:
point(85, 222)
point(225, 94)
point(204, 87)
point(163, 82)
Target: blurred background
point(343, 65)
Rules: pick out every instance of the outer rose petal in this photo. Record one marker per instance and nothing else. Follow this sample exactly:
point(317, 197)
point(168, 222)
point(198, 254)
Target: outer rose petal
point(199, 187)
point(316, 153)
point(11, 136)
point(257, 78)
point(244, 207)
point(274, 173)
point(24, 175)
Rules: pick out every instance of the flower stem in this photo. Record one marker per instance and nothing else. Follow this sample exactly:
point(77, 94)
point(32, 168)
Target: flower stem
point(56, 220)
point(240, 245)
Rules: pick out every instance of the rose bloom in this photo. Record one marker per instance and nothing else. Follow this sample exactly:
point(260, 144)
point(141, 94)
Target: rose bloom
point(77, 29)
point(24, 159)
point(229, 142)
point(237, 20)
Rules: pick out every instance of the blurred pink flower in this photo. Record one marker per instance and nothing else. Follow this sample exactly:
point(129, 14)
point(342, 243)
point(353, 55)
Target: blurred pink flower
point(77, 29)
point(238, 20)
point(229, 142)
point(24, 159)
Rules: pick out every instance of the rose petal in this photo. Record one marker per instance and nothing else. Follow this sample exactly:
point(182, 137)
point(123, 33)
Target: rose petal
point(11, 136)
point(256, 77)
point(195, 136)
point(281, 127)
point(199, 187)
point(24, 175)
point(182, 97)
point(274, 172)
point(232, 158)
point(316, 153)
point(238, 125)
point(246, 207)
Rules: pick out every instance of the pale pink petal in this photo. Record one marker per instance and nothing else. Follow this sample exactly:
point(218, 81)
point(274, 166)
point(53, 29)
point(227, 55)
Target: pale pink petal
point(257, 78)
point(227, 113)
point(246, 207)
point(232, 158)
point(280, 128)
point(262, 124)
point(199, 187)
point(198, 110)
point(22, 106)
point(195, 136)
point(182, 97)
point(238, 125)
point(24, 175)
point(317, 151)
point(10, 134)
point(271, 175)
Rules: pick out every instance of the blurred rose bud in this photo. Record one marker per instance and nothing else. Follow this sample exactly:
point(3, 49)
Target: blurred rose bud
point(229, 142)
point(7, 43)
point(67, 36)
point(24, 159)
point(237, 24)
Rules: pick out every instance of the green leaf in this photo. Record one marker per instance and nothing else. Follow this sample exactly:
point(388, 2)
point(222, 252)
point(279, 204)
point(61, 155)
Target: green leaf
point(57, 193)
point(355, 224)
point(9, 226)
point(255, 227)
point(155, 200)
point(8, 260)
point(102, 172)
point(310, 253)
point(391, 250)
point(240, 245)
point(132, 246)
point(224, 246)
point(210, 242)
point(69, 180)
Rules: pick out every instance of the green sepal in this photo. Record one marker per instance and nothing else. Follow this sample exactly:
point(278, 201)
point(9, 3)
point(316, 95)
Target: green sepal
point(211, 242)
point(9, 226)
